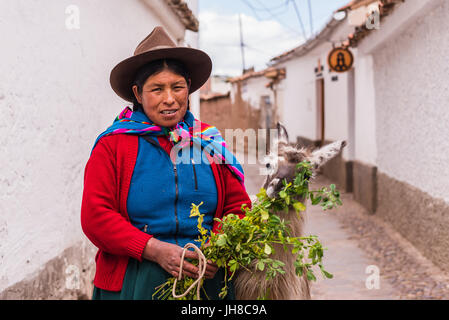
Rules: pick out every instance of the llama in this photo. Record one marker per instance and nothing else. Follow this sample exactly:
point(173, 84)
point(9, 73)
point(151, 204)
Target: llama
point(249, 285)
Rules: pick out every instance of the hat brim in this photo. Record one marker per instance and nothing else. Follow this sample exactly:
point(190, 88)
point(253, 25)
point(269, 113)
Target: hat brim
point(197, 62)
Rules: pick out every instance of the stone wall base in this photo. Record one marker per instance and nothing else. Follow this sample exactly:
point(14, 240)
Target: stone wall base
point(68, 276)
point(417, 216)
point(340, 172)
point(365, 185)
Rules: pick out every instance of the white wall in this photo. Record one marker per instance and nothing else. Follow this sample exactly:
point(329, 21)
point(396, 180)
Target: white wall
point(336, 103)
point(192, 40)
point(365, 110)
point(412, 94)
point(253, 89)
point(299, 99)
point(220, 85)
point(55, 99)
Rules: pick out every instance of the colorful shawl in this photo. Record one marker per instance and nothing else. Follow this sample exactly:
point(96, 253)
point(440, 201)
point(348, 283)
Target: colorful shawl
point(183, 134)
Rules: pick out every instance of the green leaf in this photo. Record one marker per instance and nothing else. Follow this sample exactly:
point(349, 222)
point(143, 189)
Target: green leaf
point(264, 214)
point(310, 275)
point(261, 265)
point(237, 248)
point(299, 206)
point(233, 265)
point(327, 274)
point(267, 249)
point(278, 263)
point(262, 194)
point(282, 194)
point(316, 200)
point(221, 240)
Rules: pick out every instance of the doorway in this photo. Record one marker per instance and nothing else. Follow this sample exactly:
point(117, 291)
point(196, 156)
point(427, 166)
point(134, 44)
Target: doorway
point(320, 120)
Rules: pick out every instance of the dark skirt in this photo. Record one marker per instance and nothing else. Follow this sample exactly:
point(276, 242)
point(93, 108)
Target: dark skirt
point(142, 278)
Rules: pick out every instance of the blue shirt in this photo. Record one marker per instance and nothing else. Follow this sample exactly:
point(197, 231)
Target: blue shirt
point(161, 193)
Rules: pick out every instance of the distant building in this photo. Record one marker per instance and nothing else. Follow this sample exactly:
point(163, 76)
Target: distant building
point(245, 103)
point(216, 84)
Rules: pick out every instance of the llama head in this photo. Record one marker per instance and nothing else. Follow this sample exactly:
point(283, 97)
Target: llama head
point(281, 162)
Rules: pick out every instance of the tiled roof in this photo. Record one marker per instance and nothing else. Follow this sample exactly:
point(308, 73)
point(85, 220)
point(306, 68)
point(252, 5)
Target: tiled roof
point(272, 75)
point(270, 72)
point(247, 75)
point(353, 5)
point(360, 32)
point(213, 96)
point(181, 9)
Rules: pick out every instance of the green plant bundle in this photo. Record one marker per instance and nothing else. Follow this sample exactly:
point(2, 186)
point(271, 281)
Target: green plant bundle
point(252, 238)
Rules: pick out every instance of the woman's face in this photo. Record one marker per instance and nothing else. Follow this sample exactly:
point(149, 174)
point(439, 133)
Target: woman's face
point(164, 98)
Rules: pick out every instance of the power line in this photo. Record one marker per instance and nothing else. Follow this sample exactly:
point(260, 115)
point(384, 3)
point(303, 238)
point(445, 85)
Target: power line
point(273, 8)
point(284, 8)
point(238, 46)
point(310, 18)
point(259, 51)
point(252, 8)
point(277, 18)
point(299, 18)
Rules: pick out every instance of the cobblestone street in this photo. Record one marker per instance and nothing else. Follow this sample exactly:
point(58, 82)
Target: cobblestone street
point(356, 240)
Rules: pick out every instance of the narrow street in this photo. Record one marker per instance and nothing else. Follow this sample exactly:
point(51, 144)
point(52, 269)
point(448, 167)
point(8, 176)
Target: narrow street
point(355, 241)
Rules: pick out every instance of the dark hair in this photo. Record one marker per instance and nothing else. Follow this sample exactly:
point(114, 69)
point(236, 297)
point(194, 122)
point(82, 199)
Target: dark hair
point(153, 68)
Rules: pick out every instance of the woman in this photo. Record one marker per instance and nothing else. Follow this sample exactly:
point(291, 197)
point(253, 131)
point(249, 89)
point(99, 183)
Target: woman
point(147, 169)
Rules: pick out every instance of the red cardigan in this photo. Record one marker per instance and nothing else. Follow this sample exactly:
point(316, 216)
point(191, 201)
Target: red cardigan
point(104, 216)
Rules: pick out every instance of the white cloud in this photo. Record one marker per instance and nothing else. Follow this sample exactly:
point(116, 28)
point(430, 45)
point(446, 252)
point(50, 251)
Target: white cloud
point(220, 38)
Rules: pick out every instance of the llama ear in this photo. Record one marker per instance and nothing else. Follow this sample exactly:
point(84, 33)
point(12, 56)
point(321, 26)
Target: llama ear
point(282, 133)
point(320, 156)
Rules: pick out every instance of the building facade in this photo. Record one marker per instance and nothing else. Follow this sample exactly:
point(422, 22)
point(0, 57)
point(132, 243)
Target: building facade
point(390, 107)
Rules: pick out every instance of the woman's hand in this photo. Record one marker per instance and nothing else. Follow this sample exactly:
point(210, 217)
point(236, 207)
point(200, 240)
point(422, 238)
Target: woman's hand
point(168, 256)
point(211, 270)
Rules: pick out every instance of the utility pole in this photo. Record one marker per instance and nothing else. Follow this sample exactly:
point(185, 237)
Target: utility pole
point(242, 45)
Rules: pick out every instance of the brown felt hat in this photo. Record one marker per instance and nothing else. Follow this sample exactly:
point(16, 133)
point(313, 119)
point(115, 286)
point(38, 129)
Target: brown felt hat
point(158, 45)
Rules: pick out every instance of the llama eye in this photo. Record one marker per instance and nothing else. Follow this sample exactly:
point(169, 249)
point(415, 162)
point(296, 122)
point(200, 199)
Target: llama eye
point(268, 166)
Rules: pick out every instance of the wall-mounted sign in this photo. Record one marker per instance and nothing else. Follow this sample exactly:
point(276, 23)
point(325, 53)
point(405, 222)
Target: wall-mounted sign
point(340, 59)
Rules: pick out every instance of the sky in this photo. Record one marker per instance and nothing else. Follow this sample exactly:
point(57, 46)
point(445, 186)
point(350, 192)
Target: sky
point(269, 28)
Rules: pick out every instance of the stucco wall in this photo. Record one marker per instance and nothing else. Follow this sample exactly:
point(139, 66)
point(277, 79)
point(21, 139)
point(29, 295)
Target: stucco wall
point(55, 99)
point(365, 149)
point(336, 104)
point(412, 115)
point(299, 100)
point(253, 89)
